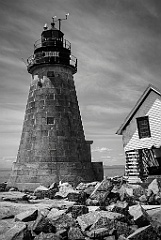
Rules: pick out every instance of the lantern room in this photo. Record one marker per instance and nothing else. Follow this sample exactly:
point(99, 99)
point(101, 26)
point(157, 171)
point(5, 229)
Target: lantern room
point(52, 48)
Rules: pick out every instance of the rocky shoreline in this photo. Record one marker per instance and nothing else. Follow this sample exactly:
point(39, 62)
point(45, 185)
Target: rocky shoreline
point(107, 210)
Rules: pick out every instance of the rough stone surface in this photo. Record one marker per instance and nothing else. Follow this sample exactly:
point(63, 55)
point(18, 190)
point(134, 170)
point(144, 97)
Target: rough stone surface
point(43, 224)
point(143, 233)
point(154, 186)
point(52, 141)
point(77, 210)
point(86, 220)
point(64, 222)
point(48, 236)
point(55, 214)
point(19, 232)
point(139, 214)
point(27, 216)
point(13, 196)
point(75, 233)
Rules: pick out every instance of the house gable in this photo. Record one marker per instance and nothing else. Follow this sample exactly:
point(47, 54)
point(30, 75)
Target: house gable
point(150, 110)
point(137, 106)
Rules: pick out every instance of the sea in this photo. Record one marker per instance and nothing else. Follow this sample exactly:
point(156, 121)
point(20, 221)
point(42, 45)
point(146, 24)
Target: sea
point(110, 171)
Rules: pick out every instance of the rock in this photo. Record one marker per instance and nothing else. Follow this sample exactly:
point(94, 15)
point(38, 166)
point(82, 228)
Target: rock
point(158, 199)
point(77, 210)
point(64, 190)
point(5, 225)
point(75, 233)
point(87, 220)
point(149, 192)
point(55, 213)
point(102, 190)
point(143, 199)
point(138, 190)
point(74, 196)
point(139, 214)
point(64, 222)
point(151, 199)
point(47, 236)
point(18, 232)
point(93, 208)
point(27, 216)
point(44, 212)
point(51, 193)
point(98, 233)
point(54, 186)
point(154, 217)
point(41, 192)
point(87, 187)
point(43, 224)
point(111, 224)
point(103, 222)
point(13, 196)
point(3, 187)
point(63, 234)
point(122, 228)
point(154, 186)
point(6, 212)
point(110, 238)
point(142, 233)
point(90, 202)
point(13, 189)
point(124, 191)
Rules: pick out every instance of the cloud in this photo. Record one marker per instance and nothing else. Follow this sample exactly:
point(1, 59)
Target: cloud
point(101, 150)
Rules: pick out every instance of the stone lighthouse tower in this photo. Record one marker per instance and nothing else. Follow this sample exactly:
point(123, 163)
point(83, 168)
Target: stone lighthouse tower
point(53, 146)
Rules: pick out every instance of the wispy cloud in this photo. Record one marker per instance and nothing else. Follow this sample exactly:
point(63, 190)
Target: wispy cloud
point(119, 53)
point(103, 149)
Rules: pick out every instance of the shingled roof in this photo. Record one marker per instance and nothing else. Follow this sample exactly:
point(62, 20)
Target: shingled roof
point(137, 105)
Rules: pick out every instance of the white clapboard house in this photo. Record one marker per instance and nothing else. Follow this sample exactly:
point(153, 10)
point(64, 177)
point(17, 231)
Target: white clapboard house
point(141, 136)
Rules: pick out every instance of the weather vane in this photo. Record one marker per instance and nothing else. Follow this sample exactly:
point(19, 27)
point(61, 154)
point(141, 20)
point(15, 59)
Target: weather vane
point(59, 20)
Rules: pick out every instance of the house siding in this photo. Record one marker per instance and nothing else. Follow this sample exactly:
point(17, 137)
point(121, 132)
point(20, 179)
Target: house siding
point(150, 107)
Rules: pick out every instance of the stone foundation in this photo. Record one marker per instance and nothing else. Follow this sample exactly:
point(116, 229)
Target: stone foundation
point(29, 176)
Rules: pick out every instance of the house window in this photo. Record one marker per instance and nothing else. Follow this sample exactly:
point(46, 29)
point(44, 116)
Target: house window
point(143, 127)
point(50, 120)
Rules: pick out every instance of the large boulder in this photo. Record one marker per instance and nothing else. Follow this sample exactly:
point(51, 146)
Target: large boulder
point(140, 216)
point(101, 191)
point(64, 190)
point(27, 216)
point(14, 196)
point(154, 186)
point(87, 187)
point(142, 233)
point(87, 220)
point(75, 233)
point(77, 210)
point(64, 221)
point(43, 224)
point(41, 192)
point(18, 232)
point(55, 213)
point(3, 187)
point(48, 236)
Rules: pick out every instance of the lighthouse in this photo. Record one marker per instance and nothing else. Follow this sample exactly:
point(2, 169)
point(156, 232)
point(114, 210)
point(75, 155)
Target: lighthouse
point(53, 147)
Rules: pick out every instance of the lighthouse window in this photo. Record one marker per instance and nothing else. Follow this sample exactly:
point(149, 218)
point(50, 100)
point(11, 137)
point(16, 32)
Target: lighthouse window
point(50, 120)
point(51, 54)
point(143, 127)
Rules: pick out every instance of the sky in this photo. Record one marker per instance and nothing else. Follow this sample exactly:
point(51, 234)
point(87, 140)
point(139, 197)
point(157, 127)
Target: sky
point(118, 46)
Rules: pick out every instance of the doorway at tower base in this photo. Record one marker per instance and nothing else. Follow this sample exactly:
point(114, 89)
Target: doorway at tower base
point(28, 176)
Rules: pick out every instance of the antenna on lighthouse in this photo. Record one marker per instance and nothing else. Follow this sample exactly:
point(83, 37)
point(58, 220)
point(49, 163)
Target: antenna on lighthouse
point(59, 20)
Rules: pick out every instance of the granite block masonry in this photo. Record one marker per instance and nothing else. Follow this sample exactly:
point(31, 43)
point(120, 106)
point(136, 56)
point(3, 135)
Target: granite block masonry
point(53, 146)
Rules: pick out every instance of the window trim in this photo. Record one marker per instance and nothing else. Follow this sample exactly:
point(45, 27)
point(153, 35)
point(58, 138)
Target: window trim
point(139, 128)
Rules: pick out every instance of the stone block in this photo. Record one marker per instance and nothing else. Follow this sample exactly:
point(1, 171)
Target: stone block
point(27, 216)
